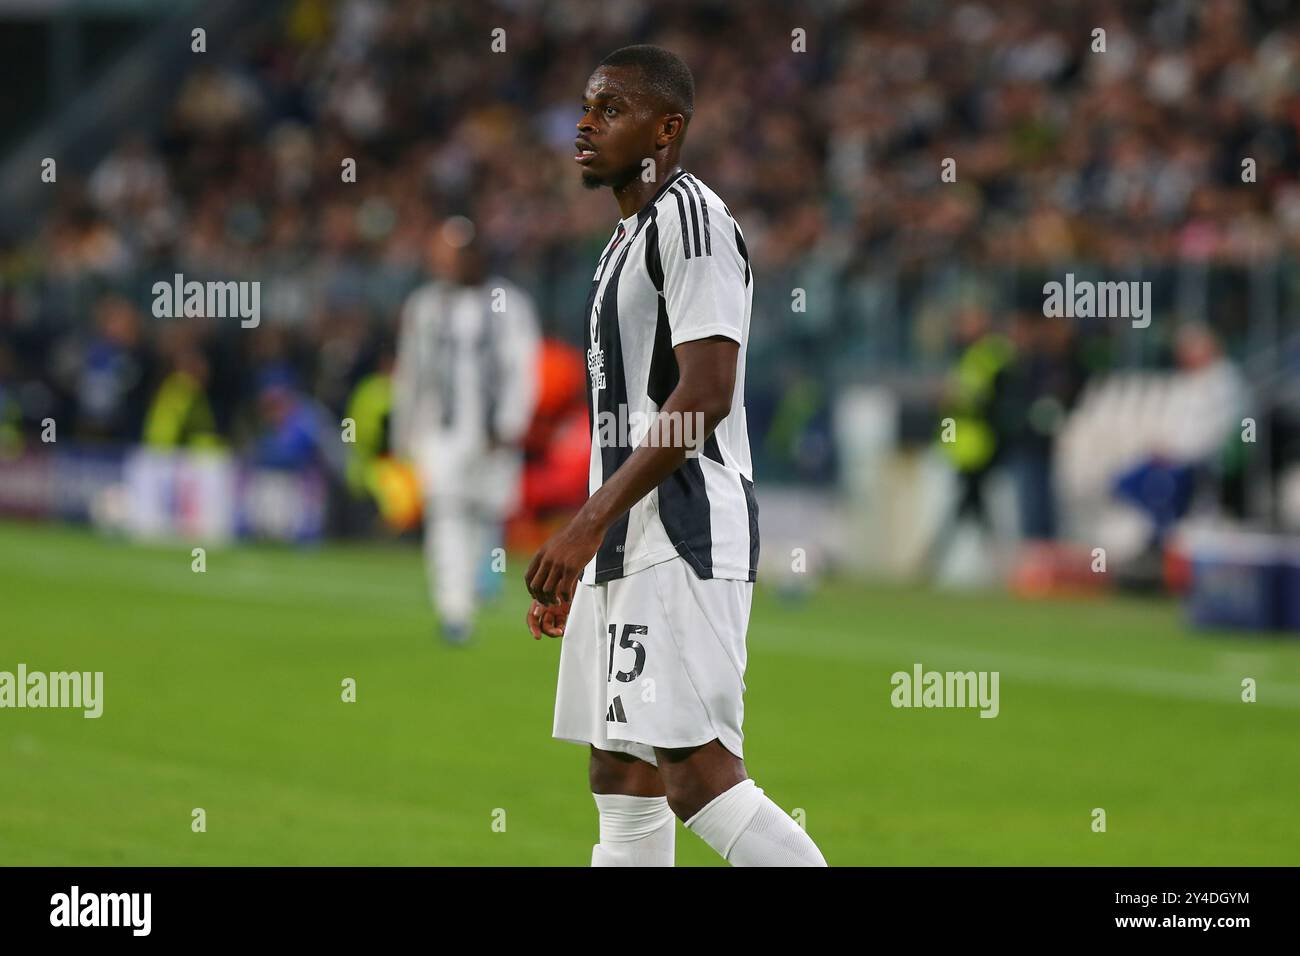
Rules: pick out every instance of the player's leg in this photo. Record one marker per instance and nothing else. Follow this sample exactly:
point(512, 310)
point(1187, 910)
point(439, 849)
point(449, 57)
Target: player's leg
point(637, 827)
point(440, 463)
point(707, 788)
point(488, 576)
point(613, 772)
point(452, 539)
point(450, 557)
point(677, 683)
point(495, 487)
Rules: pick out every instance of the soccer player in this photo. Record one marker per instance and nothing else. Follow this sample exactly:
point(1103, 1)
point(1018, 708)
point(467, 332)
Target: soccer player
point(463, 394)
point(652, 666)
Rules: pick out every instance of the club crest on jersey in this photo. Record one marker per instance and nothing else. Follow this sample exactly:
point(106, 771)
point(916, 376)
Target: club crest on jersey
point(596, 354)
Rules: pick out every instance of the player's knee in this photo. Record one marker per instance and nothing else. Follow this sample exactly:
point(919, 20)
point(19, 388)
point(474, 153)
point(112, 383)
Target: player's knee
point(691, 788)
point(687, 795)
point(681, 803)
point(611, 772)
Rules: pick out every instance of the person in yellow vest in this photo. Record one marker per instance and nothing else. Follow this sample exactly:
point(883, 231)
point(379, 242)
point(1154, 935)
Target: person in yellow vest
point(373, 472)
point(968, 433)
point(179, 415)
point(11, 413)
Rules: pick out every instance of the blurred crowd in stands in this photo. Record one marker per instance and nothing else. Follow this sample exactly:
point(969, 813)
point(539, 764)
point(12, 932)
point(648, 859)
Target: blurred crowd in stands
point(828, 146)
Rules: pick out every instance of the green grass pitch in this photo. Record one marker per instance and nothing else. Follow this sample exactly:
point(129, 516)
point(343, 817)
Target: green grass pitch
point(222, 690)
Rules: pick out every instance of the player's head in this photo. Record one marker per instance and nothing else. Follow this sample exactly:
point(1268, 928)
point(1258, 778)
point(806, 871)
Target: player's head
point(637, 105)
point(455, 251)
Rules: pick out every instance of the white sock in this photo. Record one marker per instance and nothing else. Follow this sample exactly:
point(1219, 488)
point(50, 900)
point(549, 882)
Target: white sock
point(748, 829)
point(634, 831)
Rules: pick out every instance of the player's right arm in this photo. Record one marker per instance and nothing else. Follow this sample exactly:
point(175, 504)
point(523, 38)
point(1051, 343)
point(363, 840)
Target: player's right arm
point(405, 378)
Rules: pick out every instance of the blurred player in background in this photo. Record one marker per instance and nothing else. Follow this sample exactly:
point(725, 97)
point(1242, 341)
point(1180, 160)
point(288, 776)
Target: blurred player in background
point(464, 389)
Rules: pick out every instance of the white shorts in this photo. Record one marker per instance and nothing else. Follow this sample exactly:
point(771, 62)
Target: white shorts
point(678, 668)
point(463, 474)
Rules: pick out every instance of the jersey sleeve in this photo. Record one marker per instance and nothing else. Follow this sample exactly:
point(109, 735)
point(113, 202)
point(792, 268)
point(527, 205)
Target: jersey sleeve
point(704, 272)
point(517, 379)
point(405, 377)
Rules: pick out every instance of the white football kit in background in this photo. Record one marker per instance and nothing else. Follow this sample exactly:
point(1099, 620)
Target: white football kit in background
point(654, 646)
point(464, 390)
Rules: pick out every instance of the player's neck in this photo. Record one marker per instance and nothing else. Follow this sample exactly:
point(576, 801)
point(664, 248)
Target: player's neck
point(635, 195)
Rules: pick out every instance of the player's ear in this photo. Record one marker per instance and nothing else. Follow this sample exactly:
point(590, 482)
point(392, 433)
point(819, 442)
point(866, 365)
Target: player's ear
point(670, 128)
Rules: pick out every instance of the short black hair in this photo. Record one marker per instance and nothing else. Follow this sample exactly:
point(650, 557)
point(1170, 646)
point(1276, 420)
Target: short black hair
point(666, 75)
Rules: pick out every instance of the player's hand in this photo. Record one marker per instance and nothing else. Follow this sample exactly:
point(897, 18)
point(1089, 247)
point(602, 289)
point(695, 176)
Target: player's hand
point(553, 575)
point(547, 620)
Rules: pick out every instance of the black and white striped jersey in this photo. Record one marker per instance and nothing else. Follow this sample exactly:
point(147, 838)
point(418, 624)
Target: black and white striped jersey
point(676, 271)
point(466, 366)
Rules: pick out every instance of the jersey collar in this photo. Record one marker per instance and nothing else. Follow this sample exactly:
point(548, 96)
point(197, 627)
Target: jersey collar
point(635, 221)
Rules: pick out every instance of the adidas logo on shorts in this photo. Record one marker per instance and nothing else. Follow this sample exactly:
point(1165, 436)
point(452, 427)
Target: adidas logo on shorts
point(615, 712)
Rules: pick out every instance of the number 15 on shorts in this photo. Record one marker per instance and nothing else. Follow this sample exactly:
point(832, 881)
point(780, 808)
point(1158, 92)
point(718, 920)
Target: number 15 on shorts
point(627, 641)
